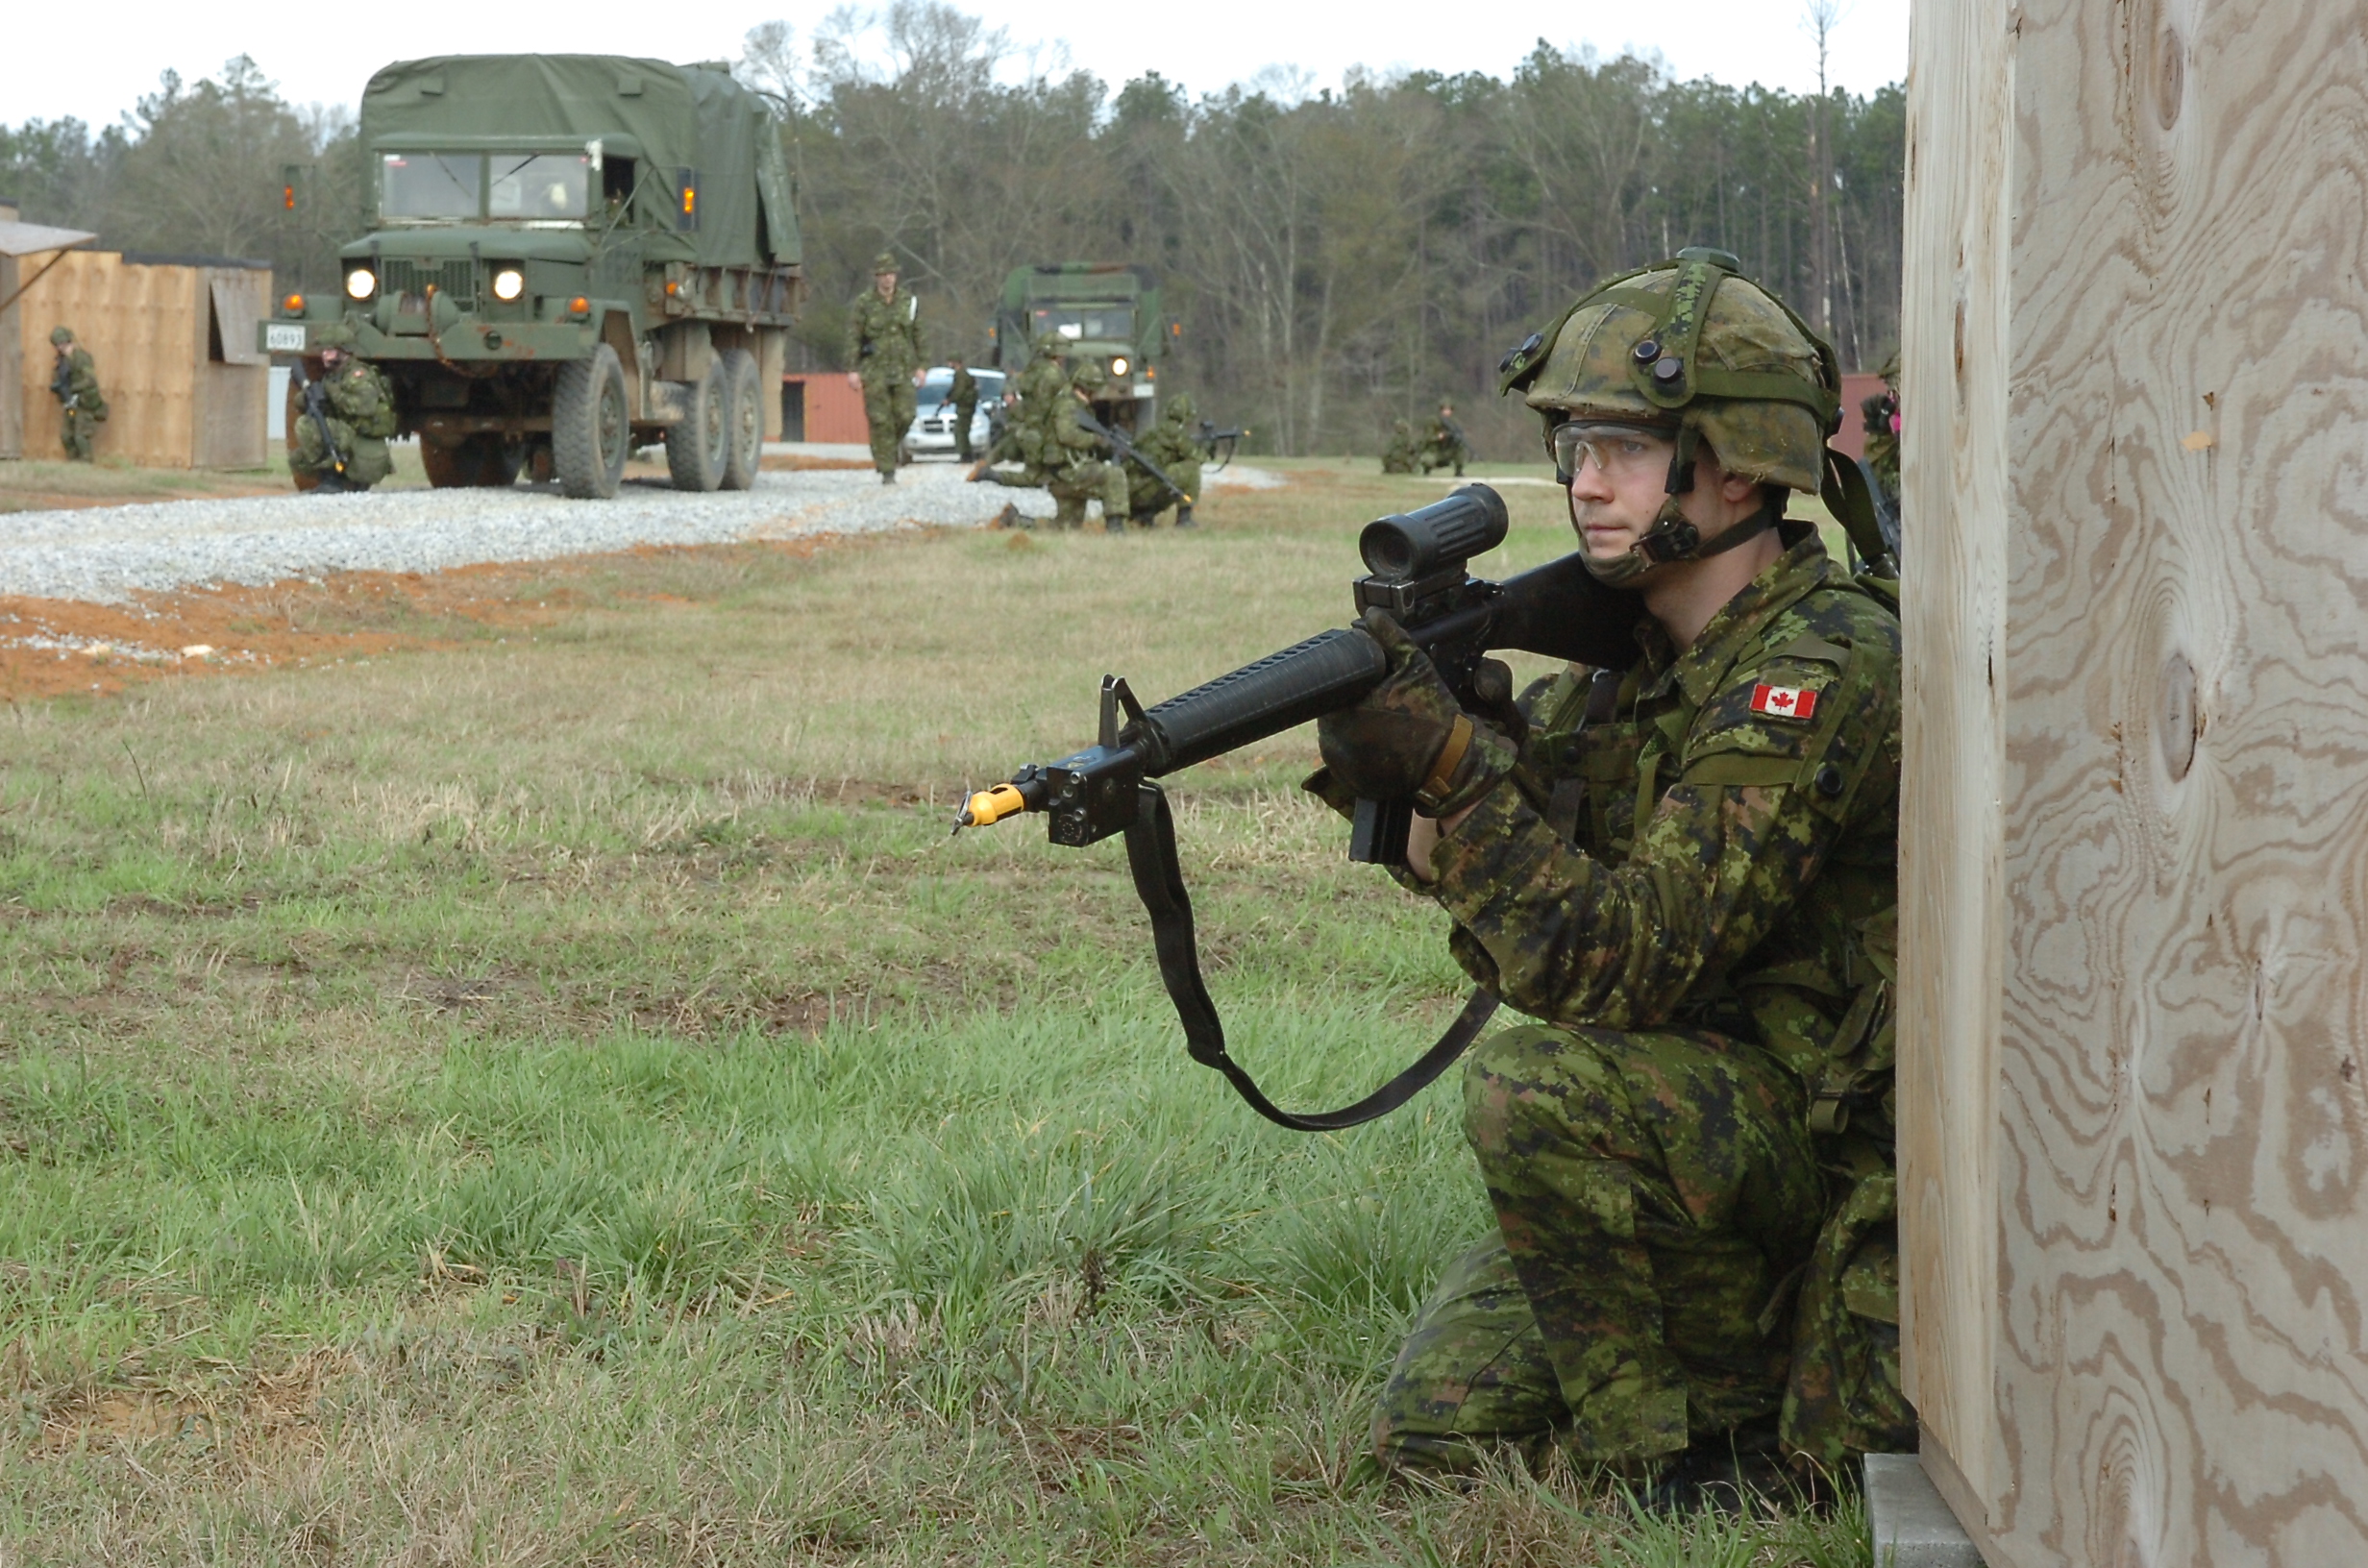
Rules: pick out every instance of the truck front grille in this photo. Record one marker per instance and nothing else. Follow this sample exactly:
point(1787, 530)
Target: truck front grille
point(457, 279)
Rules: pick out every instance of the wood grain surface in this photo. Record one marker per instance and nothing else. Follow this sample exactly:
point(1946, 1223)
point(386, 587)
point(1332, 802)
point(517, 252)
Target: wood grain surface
point(1955, 471)
point(146, 325)
point(2179, 1131)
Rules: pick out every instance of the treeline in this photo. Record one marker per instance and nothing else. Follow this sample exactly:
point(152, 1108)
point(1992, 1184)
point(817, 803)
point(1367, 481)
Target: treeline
point(1338, 260)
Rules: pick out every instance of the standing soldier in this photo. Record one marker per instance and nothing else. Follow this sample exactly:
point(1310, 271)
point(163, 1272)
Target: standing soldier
point(1398, 457)
point(1174, 445)
point(1683, 873)
point(884, 349)
point(963, 396)
point(75, 384)
point(341, 434)
point(1443, 443)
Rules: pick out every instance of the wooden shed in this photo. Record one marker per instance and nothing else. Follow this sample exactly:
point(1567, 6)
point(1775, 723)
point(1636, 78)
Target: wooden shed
point(174, 338)
point(2134, 1015)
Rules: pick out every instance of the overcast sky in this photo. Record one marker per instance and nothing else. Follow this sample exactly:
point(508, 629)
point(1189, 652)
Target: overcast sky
point(93, 64)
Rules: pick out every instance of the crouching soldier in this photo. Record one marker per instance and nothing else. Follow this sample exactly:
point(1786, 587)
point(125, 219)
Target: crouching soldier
point(341, 431)
point(1683, 874)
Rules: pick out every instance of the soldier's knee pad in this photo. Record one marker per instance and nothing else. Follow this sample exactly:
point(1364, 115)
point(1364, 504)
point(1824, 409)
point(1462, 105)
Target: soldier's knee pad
point(1532, 1085)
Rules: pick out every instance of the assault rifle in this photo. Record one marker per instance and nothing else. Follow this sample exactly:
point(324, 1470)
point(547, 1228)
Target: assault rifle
point(1219, 443)
point(1415, 569)
point(314, 394)
point(61, 383)
point(1129, 452)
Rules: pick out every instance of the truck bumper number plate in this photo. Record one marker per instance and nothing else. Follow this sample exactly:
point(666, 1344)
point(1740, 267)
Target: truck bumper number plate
point(283, 339)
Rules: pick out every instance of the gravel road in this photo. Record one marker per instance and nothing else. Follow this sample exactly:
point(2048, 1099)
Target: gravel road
point(107, 554)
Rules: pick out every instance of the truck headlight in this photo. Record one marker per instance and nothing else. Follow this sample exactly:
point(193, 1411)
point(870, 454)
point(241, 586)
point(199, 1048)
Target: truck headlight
point(1118, 367)
point(360, 283)
point(508, 283)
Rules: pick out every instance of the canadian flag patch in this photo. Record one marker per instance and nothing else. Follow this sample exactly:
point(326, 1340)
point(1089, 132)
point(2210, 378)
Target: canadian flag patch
point(1784, 701)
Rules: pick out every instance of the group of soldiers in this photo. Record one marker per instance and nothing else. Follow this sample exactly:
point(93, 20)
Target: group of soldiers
point(1443, 445)
point(1059, 445)
point(339, 441)
point(1048, 426)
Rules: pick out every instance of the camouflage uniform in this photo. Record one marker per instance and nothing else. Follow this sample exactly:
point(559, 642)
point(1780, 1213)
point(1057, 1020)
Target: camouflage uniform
point(883, 347)
point(1443, 445)
point(1042, 385)
point(75, 384)
point(1673, 892)
point(358, 407)
point(1686, 874)
point(1880, 415)
point(1070, 457)
point(963, 393)
point(1171, 444)
point(1398, 457)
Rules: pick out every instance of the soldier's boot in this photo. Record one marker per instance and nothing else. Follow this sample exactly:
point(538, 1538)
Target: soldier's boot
point(978, 470)
point(1011, 517)
point(1067, 511)
point(1184, 515)
point(1114, 523)
point(887, 475)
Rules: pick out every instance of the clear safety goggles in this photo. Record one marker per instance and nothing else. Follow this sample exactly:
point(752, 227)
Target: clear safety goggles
point(1616, 450)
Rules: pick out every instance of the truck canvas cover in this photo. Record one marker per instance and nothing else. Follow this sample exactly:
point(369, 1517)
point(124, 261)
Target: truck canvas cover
point(672, 117)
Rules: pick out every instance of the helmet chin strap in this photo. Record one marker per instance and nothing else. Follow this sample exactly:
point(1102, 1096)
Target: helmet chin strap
point(1674, 536)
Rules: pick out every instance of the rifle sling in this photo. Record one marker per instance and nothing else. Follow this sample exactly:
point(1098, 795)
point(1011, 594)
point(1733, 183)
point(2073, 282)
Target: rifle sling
point(1159, 882)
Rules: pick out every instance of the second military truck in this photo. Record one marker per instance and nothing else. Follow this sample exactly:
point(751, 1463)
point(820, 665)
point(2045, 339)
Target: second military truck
point(1099, 310)
point(569, 256)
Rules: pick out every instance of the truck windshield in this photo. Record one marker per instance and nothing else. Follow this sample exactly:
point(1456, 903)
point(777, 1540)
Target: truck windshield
point(1110, 323)
point(429, 185)
point(539, 185)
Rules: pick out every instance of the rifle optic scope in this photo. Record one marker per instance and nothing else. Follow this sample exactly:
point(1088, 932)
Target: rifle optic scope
point(1434, 538)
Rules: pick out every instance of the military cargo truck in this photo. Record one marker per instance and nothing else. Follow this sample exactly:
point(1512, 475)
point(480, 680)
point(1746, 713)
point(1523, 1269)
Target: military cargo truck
point(567, 256)
point(1105, 311)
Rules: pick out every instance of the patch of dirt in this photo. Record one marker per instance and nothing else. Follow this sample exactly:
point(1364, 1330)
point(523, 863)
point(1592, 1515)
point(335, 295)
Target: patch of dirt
point(790, 463)
point(56, 646)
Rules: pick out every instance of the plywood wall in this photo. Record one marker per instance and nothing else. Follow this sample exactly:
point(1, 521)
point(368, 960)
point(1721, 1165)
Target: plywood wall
point(2135, 1021)
point(149, 326)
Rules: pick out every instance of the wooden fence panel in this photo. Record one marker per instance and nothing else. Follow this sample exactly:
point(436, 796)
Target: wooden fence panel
point(2177, 1129)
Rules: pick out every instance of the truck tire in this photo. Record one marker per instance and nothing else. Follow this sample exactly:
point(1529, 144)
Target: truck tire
point(743, 406)
point(590, 434)
point(697, 444)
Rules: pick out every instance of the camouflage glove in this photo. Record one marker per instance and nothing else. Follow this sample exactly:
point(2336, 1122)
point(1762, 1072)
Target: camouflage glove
point(1409, 737)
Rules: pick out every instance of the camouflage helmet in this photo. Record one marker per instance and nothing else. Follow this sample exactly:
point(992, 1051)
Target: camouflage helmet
point(1181, 410)
point(885, 262)
point(61, 335)
point(1089, 375)
point(1693, 349)
point(1048, 345)
point(1691, 346)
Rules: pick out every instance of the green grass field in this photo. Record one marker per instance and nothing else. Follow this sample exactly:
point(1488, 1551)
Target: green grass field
point(564, 1097)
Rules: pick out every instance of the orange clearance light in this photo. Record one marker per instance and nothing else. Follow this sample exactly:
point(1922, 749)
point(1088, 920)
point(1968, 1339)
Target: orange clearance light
point(287, 197)
point(293, 305)
point(579, 306)
point(673, 287)
point(690, 201)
